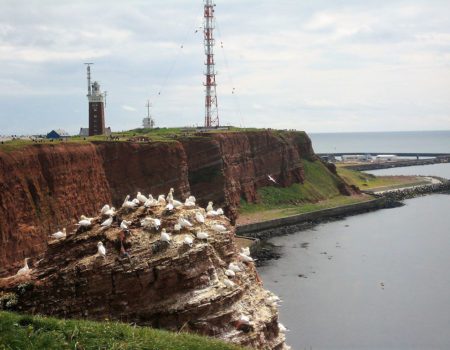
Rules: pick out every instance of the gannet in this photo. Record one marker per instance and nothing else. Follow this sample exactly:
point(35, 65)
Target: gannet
point(212, 213)
point(25, 269)
point(188, 240)
point(124, 224)
point(282, 328)
point(111, 212)
point(170, 194)
point(202, 235)
point(245, 250)
point(83, 217)
point(192, 199)
point(219, 211)
point(234, 267)
point(136, 201)
point(272, 179)
point(230, 273)
point(60, 234)
point(244, 319)
point(200, 218)
point(141, 198)
point(209, 207)
point(228, 283)
point(149, 222)
point(101, 250)
point(84, 223)
point(162, 199)
point(128, 204)
point(169, 205)
point(189, 203)
point(176, 204)
point(107, 222)
point(245, 258)
point(105, 209)
point(151, 202)
point(165, 237)
point(219, 228)
point(184, 223)
point(177, 228)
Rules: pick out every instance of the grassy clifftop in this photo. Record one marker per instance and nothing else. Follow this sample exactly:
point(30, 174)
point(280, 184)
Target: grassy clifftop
point(19, 332)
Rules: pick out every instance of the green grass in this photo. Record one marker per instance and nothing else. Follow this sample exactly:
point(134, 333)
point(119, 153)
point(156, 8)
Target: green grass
point(368, 181)
point(19, 332)
point(319, 185)
point(258, 213)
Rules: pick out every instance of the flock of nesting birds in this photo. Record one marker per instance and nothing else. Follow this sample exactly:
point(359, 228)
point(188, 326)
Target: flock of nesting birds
point(168, 203)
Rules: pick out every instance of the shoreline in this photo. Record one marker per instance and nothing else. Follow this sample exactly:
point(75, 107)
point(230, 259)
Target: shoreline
point(258, 233)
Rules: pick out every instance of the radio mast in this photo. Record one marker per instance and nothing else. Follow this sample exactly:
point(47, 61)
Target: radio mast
point(211, 105)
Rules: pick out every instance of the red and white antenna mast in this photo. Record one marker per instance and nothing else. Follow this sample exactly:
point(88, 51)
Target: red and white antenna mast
point(211, 105)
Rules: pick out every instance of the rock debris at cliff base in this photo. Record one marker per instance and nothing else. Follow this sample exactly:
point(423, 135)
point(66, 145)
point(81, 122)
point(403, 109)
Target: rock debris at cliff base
point(152, 283)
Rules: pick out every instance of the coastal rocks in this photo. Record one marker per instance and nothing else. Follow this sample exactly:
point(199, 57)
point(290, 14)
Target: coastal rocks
point(417, 191)
point(146, 281)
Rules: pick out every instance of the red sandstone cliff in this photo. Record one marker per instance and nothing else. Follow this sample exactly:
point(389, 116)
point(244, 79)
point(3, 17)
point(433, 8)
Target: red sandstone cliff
point(46, 187)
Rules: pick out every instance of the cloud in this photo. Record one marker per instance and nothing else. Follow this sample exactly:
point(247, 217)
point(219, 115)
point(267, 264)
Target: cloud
point(128, 108)
point(320, 65)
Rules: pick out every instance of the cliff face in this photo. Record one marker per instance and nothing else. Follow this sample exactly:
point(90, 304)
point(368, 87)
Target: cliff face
point(46, 187)
point(152, 283)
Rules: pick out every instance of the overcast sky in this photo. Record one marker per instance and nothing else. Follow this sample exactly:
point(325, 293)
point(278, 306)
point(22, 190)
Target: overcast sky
point(314, 65)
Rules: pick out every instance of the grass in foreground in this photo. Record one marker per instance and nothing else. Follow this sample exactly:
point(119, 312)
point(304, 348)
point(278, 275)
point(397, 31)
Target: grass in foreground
point(19, 332)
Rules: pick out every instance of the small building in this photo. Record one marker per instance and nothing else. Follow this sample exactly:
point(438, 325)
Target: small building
point(356, 158)
point(386, 158)
point(84, 132)
point(58, 134)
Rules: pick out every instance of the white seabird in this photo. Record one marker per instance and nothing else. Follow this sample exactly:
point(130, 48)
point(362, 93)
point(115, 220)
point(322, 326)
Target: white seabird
point(189, 203)
point(84, 223)
point(282, 328)
point(25, 269)
point(162, 199)
point(177, 228)
point(228, 283)
point(184, 223)
point(128, 204)
point(200, 218)
point(212, 213)
point(141, 198)
point(219, 228)
point(83, 217)
point(209, 207)
point(107, 223)
point(202, 235)
point(246, 258)
point(101, 250)
point(165, 237)
point(230, 273)
point(219, 211)
point(169, 205)
point(111, 212)
point(170, 194)
point(272, 179)
point(105, 208)
point(60, 234)
point(188, 240)
point(234, 267)
point(245, 250)
point(176, 204)
point(124, 224)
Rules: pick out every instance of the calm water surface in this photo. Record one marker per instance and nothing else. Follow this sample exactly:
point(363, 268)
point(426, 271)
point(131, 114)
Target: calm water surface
point(379, 280)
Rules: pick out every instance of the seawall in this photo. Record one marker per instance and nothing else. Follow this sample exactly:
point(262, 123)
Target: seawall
point(291, 224)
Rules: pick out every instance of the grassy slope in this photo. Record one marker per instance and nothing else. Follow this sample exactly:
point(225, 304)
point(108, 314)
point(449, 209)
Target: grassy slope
point(369, 182)
point(24, 332)
point(319, 191)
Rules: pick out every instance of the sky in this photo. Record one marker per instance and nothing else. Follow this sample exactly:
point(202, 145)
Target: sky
point(314, 65)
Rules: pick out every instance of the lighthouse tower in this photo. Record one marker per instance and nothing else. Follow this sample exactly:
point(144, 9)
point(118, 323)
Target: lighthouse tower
point(96, 106)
